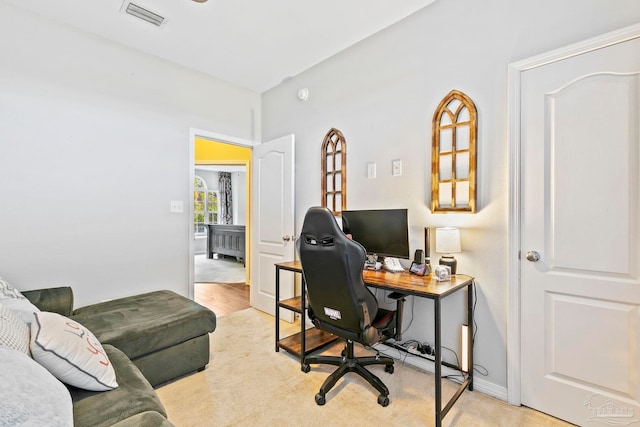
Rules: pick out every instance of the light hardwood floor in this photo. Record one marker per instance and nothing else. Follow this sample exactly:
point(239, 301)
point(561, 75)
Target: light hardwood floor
point(222, 298)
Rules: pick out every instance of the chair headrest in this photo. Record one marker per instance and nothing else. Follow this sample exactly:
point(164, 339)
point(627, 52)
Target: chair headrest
point(320, 219)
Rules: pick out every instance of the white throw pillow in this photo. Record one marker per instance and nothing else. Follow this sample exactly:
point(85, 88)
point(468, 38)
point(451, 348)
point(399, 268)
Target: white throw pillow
point(31, 396)
point(71, 352)
point(12, 298)
point(14, 333)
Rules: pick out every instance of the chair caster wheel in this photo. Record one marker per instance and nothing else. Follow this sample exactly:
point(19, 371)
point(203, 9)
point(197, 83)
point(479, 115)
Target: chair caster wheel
point(382, 400)
point(389, 369)
point(305, 368)
point(320, 399)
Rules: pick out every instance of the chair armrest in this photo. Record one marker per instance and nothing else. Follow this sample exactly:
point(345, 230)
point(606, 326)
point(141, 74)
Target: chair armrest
point(57, 300)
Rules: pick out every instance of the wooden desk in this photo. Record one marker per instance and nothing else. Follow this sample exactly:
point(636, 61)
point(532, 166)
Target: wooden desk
point(406, 283)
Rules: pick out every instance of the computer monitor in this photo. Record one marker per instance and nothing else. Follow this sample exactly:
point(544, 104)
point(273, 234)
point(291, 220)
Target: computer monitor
point(384, 232)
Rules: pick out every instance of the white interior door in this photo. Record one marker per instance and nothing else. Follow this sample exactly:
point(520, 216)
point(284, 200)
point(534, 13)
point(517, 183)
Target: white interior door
point(273, 226)
point(580, 236)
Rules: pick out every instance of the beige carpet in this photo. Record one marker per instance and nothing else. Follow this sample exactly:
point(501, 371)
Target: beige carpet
point(248, 384)
point(221, 270)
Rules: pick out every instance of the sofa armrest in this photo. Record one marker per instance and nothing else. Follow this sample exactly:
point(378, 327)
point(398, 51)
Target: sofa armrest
point(57, 300)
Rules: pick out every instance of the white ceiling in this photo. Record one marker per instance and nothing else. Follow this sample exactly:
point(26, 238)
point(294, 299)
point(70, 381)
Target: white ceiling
point(253, 43)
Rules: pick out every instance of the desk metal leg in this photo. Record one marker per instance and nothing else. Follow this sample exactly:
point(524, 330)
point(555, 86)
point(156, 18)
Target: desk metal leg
point(470, 332)
point(303, 317)
point(277, 307)
point(438, 362)
point(466, 383)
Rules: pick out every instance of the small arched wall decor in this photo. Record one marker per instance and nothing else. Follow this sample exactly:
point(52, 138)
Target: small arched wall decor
point(334, 171)
point(453, 155)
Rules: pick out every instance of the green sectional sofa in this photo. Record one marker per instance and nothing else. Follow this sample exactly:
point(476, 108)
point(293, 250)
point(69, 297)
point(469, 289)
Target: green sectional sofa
point(149, 338)
point(128, 405)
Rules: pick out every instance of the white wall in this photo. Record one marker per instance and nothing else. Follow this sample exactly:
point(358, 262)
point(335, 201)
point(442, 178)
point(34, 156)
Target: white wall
point(94, 143)
point(382, 94)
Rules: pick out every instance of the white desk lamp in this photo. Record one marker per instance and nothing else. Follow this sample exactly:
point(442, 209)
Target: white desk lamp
point(447, 243)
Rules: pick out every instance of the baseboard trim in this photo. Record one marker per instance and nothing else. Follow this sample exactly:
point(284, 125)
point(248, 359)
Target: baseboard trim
point(479, 384)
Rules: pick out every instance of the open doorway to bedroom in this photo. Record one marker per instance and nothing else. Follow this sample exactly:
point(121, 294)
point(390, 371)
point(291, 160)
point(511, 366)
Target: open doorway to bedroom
point(220, 226)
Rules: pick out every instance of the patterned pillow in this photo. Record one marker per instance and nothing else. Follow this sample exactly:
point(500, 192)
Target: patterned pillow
point(71, 352)
point(12, 298)
point(14, 333)
point(29, 395)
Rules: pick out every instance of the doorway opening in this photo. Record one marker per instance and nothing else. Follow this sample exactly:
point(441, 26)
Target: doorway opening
point(220, 251)
point(219, 227)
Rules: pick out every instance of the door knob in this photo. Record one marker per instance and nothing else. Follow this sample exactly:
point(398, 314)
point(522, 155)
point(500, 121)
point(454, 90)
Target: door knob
point(533, 256)
point(286, 238)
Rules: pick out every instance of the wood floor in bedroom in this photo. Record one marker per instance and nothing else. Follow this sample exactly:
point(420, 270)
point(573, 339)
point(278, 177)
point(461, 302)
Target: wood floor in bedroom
point(223, 298)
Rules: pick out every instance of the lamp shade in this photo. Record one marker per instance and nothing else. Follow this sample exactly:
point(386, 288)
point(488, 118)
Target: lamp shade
point(448, 240)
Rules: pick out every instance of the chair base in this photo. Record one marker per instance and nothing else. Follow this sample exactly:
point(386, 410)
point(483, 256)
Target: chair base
point(349, 363)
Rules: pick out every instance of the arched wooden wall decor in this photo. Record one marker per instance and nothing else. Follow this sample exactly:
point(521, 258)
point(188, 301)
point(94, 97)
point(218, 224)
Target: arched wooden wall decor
point(334, 171)
point(453, 155)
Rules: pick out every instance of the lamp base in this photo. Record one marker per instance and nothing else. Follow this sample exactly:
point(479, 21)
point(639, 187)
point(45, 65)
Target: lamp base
point(450, 261)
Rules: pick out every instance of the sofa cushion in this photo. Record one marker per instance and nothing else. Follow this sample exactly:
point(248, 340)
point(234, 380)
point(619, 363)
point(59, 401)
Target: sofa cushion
point(145, 323)
point(30, 395)
point(71, 352)
point(133, 396)
point(145, 419)
point(14, 333)
point(12, 298)
point(57, 300)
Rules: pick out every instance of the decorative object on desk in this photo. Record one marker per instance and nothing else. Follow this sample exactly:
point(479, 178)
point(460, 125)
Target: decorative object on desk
point(453, 155)
point(334, 171)
point(420, 269)
point(448, 242)
point(442, 273)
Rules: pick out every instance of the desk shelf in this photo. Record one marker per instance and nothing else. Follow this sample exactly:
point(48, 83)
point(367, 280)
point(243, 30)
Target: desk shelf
point(293, 304)
point(311, 339)
point(314, 340)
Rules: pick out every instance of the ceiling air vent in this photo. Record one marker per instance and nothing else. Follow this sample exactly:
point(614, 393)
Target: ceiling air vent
point(142, 13)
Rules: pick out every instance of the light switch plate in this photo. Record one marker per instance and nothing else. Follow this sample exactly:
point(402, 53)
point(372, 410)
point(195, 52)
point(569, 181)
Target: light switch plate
point(176, 206)
point(396, 168)
point(371, 170)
